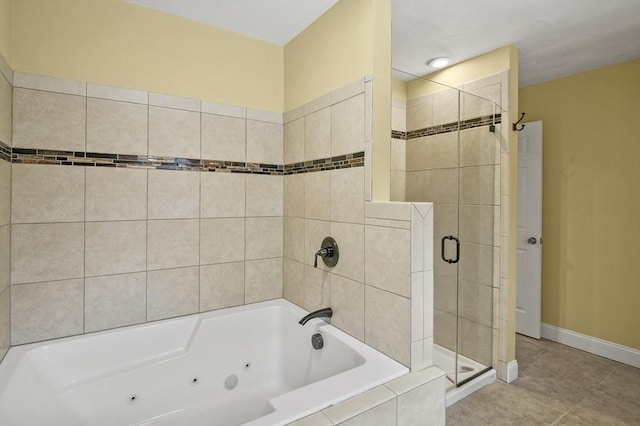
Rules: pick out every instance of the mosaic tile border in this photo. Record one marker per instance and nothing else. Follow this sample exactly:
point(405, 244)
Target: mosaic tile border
point(471, 123)
point(96, 159)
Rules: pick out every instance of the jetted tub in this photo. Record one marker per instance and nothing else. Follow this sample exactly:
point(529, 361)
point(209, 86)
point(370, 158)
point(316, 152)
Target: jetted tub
point(252, 365)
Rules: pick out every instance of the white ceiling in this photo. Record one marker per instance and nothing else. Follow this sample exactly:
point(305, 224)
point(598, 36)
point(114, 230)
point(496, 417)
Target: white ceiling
point(556, 38)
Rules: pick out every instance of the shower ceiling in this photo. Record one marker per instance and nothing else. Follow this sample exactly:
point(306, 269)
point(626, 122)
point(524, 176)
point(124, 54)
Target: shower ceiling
point(555, 38)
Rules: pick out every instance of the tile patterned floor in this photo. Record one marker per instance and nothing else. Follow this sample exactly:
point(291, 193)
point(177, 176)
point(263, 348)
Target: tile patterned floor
point(556, 385)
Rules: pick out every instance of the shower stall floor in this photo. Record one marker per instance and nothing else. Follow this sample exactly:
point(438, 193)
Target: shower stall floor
point(445, 359)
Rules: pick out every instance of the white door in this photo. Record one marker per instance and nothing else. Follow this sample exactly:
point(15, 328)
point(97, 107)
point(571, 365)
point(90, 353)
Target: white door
point(529, 235)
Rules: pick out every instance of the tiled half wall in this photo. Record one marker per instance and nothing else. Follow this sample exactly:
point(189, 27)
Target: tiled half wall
point(177, 206)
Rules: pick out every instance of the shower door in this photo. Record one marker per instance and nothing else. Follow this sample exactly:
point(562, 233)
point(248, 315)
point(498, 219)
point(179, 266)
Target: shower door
point(452, 157)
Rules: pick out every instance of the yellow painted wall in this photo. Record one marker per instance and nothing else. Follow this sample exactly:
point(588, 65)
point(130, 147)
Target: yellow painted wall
point(116, 43)
point(333, 51)
point(6, 26)
point(591, 201)
point(398, 89)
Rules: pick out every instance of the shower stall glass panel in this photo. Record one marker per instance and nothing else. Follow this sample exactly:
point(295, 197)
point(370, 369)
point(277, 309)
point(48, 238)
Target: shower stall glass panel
point(451, 149)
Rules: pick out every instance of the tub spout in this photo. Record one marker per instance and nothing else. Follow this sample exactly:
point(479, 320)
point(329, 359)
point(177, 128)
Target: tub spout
point(320, 313)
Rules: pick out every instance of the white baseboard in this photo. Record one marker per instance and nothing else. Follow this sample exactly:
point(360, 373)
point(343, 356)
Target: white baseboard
point(614, 351)
point(512, 371)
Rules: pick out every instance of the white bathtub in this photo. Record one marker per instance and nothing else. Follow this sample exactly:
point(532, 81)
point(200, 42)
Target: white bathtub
point(174, 372)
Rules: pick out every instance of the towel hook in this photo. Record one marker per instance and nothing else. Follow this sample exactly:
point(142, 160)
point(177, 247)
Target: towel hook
point(515, 125)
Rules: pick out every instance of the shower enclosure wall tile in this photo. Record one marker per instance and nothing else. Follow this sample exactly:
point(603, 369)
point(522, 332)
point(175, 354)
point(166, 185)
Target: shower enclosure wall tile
point(347, 301)
point(49, 84)
point(398, 155)
point(5, 321)
point(264, 195)
point(350, 239)
point(477, 185)
point(399, 117)
point(172, 243)
point(433, 152)
point(174, 132)
point(47, 252)
point(45, 193)
point(294, 195)
point(475, 302)
point(46, 310)
point(417, 311)
point(294, 238)
point(5, 192)
point(116, 194)
point(398, 186)
point(477, 263)
point(263, 237)
point(446, 107)
point(347, 126)
point(474, 103)
point(444, 293)
point(317, 135)
point(6, 103)
point(47, 120)
point(419, 113)
point(114, 126)
point(347, 195)
point(223, 138)
point(176, 102)
point(441, 187)
point(417, 355)
point(444, 330)
point(221, 286)
point(5, 256)
point(172, 292)
point(317, 195)
point(293, 281)
point(294, 141)
point(476, 341)
point(222, 240)
point(317, 104)
point(115, 247)
point(383, 414)
point(263, 280)
point(418, 184)
point(388, 259)
point(174, 194)
point(264, 142)
point(478, 147)
point(266, 116)
point(222, 195)
point(348, 91)
point(412, 409)
point(317, 288)
point(223, 109)
point(117, 94)
point(388, 323)
point(115, 301)
point(476, 224)
point(368, 112)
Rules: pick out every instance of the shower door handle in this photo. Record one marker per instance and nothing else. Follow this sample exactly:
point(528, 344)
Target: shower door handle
point(442, 243)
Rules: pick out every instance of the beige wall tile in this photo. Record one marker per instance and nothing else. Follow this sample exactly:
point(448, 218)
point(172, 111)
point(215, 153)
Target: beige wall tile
point(47, 252)
point(347, 301)
point(264, 142)
point(360, 403)
point(174, 133)
point(317, 195)
point(115, 247)
point(46, 310)
point(5, 257)
point(442, 186)
point(317, 135)
point(294, 141)
point(480, 101)
point(294, 238)
point(293, 281)
point(444, 329)
point(5, 321)
point(169, 101)
point(172, 243)
point(398, 184)
point(294, 195)
point(388, 323)
point(117, 94)
point(420, 114)
point(476, 224)
point(417, 314)
point(476, 302)
point(445, 107)
point(222, 195)
point(46, 193)
point(477, 341)
point(266, 116)
point(317, 288)
point(115, 301)
point(174, 194)
point(477, 263)
point(263, 280)
point(398, 155)
point(433, 152)
point(479, 147)
point(445, 293)
point(477, 185)
point(223, 138)
point(314, 232)
point(6, 107)
point(172, 292)
point(116, 127)
point(388, 259)
point(5, 192)
point(347, 195)
point(383, 414)
point(222, 109)
point(317, 419)
point(47, 120)
point(264, 195)
point(424, 402)
point(347, 91)
point(116, 194)
point(263, 237)
point(221, 286)
point(350, 239)
point(50, 84)
point(398, 119)
point(417, 185)
point(347, 126)
point(221, 240)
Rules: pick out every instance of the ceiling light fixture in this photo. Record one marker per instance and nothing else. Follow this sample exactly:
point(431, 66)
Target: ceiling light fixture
point(438, 62)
